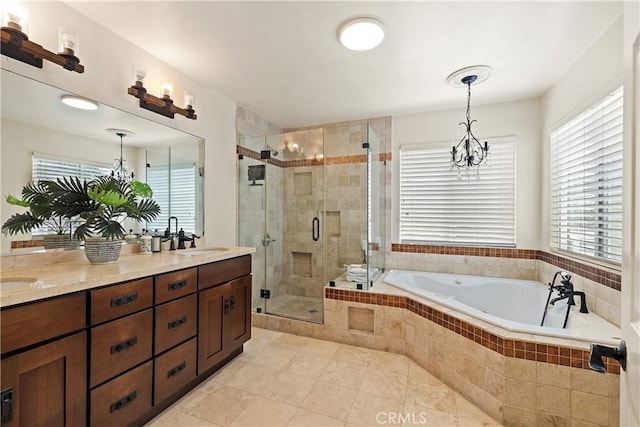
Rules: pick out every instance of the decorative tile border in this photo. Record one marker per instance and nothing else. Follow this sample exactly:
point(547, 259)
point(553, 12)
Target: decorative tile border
point(599, 275)
point(557, 355)
point(337, 160)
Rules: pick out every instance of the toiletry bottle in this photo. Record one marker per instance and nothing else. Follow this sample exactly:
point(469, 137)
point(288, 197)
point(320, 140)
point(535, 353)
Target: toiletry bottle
point(131, 238)
point(145, 243)
point(156, 242)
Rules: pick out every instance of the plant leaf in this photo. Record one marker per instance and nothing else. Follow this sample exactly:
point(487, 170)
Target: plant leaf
point(21, 223)
point(141, 189)
point(12, 200)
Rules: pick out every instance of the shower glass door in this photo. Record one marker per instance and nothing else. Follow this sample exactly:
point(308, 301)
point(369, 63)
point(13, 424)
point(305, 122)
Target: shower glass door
point(281, 214)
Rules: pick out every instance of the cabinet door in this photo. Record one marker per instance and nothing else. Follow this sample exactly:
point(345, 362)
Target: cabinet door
point(238, 321)
point(48, 384)
point(212, 304)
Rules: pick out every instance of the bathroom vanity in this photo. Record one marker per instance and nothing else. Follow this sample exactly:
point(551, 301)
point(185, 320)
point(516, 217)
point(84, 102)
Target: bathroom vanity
point(115, 344)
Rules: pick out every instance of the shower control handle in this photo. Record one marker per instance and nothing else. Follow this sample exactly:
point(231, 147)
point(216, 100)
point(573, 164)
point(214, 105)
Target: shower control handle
point(315, 229)
point(266, 240)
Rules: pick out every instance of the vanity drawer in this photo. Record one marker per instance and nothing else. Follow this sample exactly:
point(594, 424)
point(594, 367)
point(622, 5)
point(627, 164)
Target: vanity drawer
point(120, 345)
point(120, 300)
point(175, 322)
point(122, 400)
point(174, 369)
point(174, 285)
point(221, 272)
point(32, 323)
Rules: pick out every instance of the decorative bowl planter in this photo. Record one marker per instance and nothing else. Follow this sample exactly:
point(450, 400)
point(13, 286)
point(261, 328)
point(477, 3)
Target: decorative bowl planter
point(102, 251)
point(60, 241)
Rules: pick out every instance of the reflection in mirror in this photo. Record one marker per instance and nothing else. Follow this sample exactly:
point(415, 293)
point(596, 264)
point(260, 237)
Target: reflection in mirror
point(37, 125)
point(177, 177)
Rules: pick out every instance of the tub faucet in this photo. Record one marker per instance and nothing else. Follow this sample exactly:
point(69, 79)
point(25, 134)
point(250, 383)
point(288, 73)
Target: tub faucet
point(565, 289)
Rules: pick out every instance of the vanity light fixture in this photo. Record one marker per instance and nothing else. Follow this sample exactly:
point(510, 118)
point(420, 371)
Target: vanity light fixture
point(469, 152)
point(164, 105)
point(363, 33)
point(16, 43)
point(79, 102)
point(120, 170)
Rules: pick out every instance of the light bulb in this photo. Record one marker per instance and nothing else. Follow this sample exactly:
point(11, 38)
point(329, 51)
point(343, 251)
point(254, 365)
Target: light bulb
point(167, 90)
point(69, 44)
point(139, 73)
point(189, 99)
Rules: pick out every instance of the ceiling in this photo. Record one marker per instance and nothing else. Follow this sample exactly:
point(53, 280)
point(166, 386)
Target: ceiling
point(283, 61)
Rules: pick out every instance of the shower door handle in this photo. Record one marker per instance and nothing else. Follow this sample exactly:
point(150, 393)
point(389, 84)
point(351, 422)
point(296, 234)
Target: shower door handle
point(315, 229)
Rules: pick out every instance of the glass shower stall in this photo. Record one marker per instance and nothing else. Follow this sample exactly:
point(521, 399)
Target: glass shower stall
point(312, 203)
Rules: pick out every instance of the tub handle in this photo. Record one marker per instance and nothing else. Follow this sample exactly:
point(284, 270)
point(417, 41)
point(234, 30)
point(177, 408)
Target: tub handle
point(597, 351)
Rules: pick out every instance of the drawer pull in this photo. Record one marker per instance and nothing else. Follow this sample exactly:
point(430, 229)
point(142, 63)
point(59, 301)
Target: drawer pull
point(124, 402)
point(116, 348)
point(177, 285)
point(175, 323)
point(175, 371)
point(124, 299)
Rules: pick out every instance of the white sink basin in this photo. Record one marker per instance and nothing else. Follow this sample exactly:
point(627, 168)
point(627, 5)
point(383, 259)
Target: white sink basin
point(17, 284)
point(204, 251)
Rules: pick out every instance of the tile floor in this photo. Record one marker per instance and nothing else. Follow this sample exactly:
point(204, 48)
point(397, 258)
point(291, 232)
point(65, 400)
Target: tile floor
point(308, 309)
point(288, 380)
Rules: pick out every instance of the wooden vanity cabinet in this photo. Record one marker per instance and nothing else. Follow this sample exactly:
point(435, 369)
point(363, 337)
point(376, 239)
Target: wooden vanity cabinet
point(176, 320)
point(224, 303)
point(121, 348)
point(120, 354)
point(44, 363)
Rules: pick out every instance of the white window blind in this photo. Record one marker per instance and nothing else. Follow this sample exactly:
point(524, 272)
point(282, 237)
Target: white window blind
point(586, 182)
point(437, 207)
point(51, 167)
point(176, 195)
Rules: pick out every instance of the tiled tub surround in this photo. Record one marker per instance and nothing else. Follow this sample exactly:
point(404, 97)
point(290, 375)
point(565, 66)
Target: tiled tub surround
point(518, 379)
point(602, 286)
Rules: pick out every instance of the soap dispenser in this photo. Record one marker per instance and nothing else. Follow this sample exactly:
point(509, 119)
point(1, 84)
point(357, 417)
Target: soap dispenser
point(156, 242)
point(145, 243)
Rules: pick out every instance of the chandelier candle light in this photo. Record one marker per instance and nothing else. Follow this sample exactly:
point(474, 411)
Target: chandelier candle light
point(120, 170)
point(469, 152)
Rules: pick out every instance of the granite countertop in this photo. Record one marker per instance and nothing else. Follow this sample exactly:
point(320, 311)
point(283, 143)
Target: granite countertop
point(44, 281)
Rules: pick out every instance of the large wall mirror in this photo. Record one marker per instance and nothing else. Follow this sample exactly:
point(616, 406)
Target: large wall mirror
point(37, 128)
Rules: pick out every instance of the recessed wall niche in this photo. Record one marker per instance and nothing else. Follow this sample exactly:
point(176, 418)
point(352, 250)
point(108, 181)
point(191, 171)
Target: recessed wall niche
point(301, 264)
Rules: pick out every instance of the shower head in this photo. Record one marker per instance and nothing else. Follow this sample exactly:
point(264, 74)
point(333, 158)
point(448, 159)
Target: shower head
point(274, 152)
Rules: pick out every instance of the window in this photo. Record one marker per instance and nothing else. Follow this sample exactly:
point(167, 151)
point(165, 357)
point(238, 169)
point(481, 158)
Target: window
point(45, 166)
point(437, 207)
point(176, 195)
point(586, 182)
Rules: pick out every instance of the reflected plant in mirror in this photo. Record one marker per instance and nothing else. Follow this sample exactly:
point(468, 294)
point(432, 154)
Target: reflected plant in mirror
point(39, 202)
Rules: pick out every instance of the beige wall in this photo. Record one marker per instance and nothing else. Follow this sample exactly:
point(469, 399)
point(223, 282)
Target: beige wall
point(520, 118)
point(593, 76)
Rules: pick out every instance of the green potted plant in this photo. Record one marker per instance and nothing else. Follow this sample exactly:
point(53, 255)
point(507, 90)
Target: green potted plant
point(103, 204)
point(38, 200)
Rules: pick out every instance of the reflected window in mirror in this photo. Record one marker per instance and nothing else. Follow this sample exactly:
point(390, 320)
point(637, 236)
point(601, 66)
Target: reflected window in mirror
point(46, 166)
point(175, 176)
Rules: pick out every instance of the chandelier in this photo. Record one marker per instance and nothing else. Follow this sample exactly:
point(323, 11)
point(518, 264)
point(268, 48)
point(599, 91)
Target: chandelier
point(469, 151)
point(120, 170)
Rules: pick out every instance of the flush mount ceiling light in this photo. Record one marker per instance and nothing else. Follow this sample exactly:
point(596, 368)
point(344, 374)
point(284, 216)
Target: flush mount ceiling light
point(79, 102)
point(469, 151)
point(361, 33)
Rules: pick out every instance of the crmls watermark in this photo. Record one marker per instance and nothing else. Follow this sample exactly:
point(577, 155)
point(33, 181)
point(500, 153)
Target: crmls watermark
point(401, 418)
